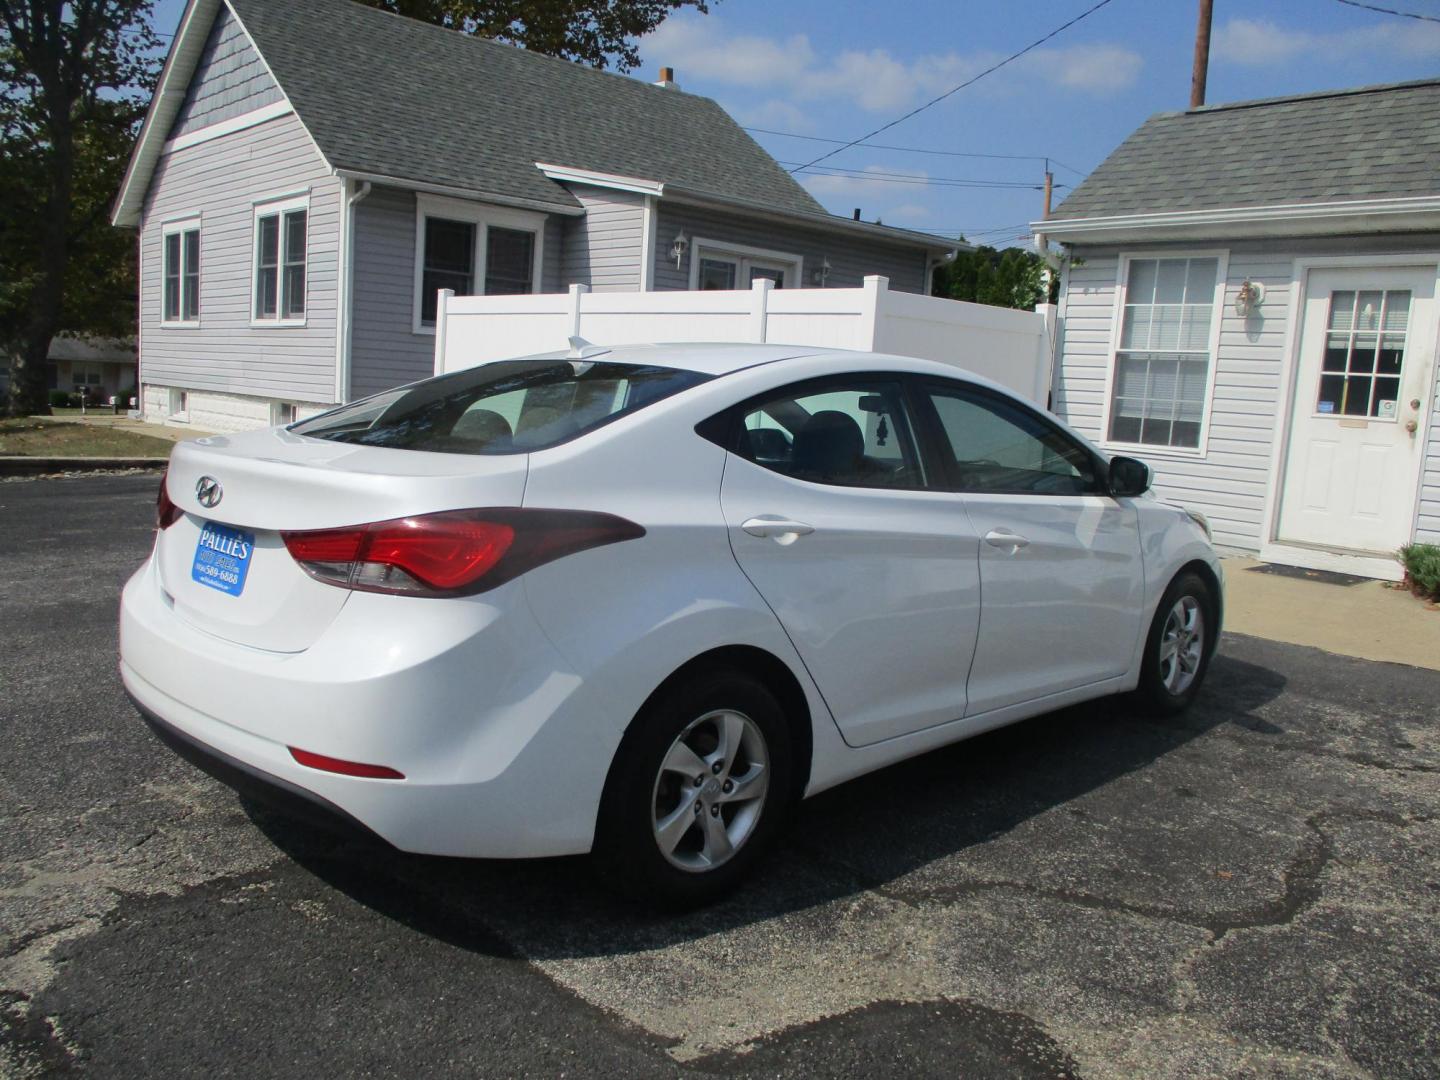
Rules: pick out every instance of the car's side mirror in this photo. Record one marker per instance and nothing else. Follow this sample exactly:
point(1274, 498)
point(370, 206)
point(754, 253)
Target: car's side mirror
point(1129, 477)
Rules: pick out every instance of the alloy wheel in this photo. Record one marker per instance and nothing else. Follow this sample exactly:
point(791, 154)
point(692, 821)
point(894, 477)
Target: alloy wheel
point(1182, 645)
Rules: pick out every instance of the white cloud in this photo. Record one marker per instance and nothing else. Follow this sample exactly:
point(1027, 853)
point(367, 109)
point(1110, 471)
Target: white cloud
point(875, 80)
point(823, 185)
point(1261, 42)
point(777, 115)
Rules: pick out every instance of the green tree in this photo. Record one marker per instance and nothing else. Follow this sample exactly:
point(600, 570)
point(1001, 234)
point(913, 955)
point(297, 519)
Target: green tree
point(589, 31)
point(1013, 278)
point(75, 77)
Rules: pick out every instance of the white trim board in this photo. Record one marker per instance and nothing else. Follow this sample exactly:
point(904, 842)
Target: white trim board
point(614, 181)
point(273, 111)
point(742, 252)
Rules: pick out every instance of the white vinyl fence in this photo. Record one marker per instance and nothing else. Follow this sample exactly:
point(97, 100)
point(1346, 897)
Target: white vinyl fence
point(1011, 347)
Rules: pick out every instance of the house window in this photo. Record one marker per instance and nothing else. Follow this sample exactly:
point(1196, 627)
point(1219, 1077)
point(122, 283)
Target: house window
point(280, 229)
point(83, 376)
point(1162, 363)
point(728, 266)
point(180, 303)
point(472, 249)
point(282, 412)
point(179, 405)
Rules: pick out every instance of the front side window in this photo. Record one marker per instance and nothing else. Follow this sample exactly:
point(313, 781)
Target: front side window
point(280, 263)
point(1162, 365)
point(998, 447)
point(855, 433)
point(506, 407)
point(181, 300)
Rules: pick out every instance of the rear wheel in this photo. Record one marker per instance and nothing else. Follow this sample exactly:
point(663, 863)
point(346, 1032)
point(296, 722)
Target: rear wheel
point(698, 790)
point(1178, 649)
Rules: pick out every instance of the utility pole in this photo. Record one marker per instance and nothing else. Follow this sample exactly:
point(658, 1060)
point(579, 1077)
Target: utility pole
point(1049, 187)
point(1202, 54)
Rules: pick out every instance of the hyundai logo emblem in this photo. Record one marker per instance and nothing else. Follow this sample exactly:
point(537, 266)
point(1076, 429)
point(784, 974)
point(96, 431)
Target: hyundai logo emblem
point(208, 491)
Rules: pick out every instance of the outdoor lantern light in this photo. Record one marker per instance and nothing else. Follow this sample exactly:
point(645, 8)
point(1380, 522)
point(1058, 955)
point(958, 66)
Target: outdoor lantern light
point(1249, 298)
point(822, 272)
point(677, 249)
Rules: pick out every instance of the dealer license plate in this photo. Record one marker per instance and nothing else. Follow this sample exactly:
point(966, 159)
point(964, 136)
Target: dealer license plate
point(222, 558)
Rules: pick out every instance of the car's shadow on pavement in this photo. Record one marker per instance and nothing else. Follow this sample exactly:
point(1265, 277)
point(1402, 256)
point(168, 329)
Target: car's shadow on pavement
point(868, 834)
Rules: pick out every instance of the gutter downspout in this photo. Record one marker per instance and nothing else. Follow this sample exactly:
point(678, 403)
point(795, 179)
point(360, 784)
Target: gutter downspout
point(343, 315)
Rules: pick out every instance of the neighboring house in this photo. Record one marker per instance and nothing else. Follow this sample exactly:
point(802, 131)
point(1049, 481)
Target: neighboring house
point(1252, 309)
point(310, 174)
point(101, 368)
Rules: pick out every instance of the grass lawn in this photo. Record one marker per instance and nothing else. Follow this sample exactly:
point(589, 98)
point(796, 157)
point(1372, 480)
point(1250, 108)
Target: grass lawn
point(47, 438)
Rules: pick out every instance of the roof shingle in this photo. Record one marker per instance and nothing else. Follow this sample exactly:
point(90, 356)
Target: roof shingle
point(400, 98)
point(1368, 143)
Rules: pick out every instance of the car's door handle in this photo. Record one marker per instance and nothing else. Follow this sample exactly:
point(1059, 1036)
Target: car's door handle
point(781, 530)
point(1004, 538)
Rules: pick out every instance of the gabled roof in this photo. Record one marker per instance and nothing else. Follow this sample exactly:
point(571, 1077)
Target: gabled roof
point(1364, 146)
point(393, 97)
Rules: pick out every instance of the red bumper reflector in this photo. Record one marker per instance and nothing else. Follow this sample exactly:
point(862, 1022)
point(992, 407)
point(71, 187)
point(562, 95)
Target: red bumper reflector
point(345, 768)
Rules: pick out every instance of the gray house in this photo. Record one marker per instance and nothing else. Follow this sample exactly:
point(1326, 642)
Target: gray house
point(1252, 309)
point(310, 174)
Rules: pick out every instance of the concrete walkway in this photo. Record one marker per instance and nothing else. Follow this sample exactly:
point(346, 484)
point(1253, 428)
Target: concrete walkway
point(1370, 619)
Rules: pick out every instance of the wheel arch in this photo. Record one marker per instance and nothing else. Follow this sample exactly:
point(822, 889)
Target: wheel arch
point(1206, 573)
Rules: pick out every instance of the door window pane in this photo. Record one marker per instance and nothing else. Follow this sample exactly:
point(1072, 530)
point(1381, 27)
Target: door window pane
point(855, 434)
point(996, 446)
point(768, 273)
point(509, 261)
point(449, 262)
point(1365, 338)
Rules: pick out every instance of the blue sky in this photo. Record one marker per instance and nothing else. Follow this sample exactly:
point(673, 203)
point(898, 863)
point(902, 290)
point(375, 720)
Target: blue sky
point(818, 68)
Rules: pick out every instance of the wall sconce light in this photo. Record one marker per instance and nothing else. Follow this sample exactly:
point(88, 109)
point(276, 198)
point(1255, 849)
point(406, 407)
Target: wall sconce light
point(679, 247)
point(1249, 298)
point(821, 273)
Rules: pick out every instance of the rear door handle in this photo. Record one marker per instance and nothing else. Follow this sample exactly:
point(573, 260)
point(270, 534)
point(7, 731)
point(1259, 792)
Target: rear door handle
point(781, 530)
point(1004, 538)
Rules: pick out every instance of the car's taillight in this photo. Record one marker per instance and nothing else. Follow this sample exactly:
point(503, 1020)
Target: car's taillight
point(166, 512)
point(452, 553)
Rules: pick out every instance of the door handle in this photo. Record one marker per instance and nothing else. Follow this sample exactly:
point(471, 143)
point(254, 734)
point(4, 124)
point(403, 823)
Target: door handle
point(1004, 538)
point(782, 530)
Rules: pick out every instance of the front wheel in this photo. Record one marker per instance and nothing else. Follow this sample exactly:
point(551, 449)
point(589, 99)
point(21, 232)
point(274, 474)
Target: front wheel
point(699, 787)
point(1179, 647)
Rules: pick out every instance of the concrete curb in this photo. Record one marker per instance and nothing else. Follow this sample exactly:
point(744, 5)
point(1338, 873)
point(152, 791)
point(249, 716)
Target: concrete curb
point(33, 466)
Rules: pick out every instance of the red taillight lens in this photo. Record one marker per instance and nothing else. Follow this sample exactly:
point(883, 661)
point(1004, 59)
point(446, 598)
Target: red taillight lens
point(343, 767)
point(166, 512)
point(454, 553)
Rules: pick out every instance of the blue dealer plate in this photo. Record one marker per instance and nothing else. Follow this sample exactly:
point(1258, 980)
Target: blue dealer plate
point(222, 558)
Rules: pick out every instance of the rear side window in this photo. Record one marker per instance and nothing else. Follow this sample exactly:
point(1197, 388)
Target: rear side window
point(851, 432)
point(508, 407)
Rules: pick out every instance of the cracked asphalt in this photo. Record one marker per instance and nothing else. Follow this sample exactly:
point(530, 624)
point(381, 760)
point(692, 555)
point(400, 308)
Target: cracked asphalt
point(1251, 890)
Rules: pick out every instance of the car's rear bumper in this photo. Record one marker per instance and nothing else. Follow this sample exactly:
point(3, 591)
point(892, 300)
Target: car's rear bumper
point(501, 759)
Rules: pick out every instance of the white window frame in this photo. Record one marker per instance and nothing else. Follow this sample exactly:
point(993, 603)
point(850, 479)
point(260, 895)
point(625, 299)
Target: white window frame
point(743, 256)
point(269, 207)
point(482, 216)
point(1217, 317)
point(181, 225)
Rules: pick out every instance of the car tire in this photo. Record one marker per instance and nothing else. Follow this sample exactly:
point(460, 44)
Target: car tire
point(699, 788)
point(1178, 649)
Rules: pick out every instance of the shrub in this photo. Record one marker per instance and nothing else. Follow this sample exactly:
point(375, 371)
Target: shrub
point(1422, 569)
point(59, 399)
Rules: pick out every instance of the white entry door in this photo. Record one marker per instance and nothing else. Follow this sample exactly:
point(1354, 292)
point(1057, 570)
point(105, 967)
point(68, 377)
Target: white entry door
point(1367, 342)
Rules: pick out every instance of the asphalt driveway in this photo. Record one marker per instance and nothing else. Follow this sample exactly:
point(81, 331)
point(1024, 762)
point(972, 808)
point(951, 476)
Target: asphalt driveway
point(1251, 890)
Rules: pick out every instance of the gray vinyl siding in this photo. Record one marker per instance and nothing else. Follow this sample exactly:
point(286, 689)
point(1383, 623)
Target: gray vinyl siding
point(1230, 482)
point(231, 79)
point(385, 350)
point(851, 260)
point(219, 180)
point(603, 248)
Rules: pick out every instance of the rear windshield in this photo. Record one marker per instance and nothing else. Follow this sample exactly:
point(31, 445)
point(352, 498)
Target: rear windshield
point(508, 407)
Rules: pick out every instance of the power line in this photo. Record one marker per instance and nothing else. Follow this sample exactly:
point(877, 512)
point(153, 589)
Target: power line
point(921, 178)
point(921, 150)
point(1389, 11)
point(956, 89)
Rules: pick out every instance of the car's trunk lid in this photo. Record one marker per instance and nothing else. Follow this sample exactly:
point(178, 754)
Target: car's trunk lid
point(225, 567)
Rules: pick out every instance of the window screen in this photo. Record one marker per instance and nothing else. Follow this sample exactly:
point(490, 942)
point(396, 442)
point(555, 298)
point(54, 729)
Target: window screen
point(1162, 367)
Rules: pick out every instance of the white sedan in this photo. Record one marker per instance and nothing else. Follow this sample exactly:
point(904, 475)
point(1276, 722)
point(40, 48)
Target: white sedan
point(640, 601)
